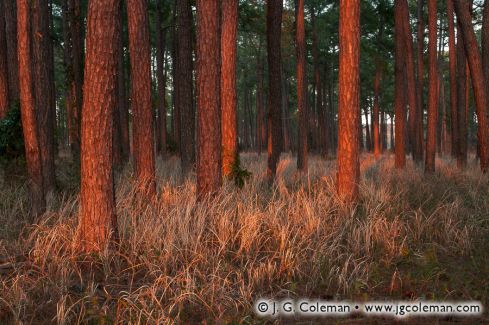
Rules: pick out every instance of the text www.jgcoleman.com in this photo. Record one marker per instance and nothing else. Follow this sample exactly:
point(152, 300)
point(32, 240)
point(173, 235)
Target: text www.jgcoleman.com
point(321, 308)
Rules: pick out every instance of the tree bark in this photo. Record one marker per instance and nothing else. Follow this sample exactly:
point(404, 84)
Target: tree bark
point(376, 131)
point(28, 110)
point(97, 220)
point(453, 79)
point(160, 70)
point(185, 84)
point(400, 98)
point(4, 93)
point(461, 101)
point(122, 104)
point(274, 36)
point(11, 39)
point(462, 9)
point(229, 19)
point(143, 132)
point(349, 100)
point(43, 89)
point(209, 163)
point(419, 133)
point(301, 88)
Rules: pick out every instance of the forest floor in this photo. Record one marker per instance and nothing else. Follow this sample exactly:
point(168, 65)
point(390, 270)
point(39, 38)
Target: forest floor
point(411, 236)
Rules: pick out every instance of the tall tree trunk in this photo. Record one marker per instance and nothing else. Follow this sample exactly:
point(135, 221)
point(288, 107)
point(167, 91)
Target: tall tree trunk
point(432, 91)
point(411, 76)
point(209, 163)
point(259, 102)
point(117, 136)
point(274, 36)
point(462, 9)
point(453, 79)
point(376, 135)
point(28, 110)
point(175, 117)
point(143, 132)
point(301, 88)
point(368, 139)
point(229, 19)
point(97, 219)
point(43, 89)
point(419, 133)
point(462, 86)
point(123, 106)
point(4, 93)
point(400, 98)
point(160, 71)
point(11, 39)
point(349, 100)
point(185, 84)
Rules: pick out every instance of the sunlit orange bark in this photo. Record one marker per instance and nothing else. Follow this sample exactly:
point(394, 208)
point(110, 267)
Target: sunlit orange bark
point(142, 122)
point(229, 28)
point(400, 96)
point(349, 100)
point(301, 88)
point(4, 99)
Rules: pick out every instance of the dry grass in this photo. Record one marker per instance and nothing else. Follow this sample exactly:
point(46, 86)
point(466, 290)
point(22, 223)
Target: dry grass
point(186, 262)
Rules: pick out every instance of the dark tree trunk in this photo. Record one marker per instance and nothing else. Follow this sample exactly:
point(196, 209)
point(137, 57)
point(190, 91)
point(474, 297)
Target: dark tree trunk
point(274, 35)
point(209, 163)
point(4, 93)
point(142, 123)
point(400, 96)
point(461, 101)
point(185, 84)
point(376, 129)
point(260, 125)
point(301, 88)
point(349, 100)
point(453, 79)
point(97, 219)
point(462, 9)
point(160, 71)
point(43, 89)
point(122, 91)
point(11, 39)
point(419, 133)
point(28, 110)
point(229, 19)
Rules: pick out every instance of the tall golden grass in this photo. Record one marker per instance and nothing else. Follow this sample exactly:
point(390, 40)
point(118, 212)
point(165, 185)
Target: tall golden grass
point(180, 261)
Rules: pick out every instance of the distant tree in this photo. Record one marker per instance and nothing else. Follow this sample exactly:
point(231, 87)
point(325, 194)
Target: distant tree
point(274, 35)
point(4, 93)
point(400, 96)
point(453, 78)
point(28, 109)
point(11, 35)
point(160, 71)
point(432, 90)
point(462, 85)
point(229, 98)
point(123, 106)
point(142, 112)
point(184, 69)
point(419, 133)
point(209, 164)
point(349, 97)
point(44, 88)
point(302, 88)
point(97, 218)
point(462, 8)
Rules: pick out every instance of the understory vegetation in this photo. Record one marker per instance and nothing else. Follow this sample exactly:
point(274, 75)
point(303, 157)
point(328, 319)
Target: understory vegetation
point(179, 261)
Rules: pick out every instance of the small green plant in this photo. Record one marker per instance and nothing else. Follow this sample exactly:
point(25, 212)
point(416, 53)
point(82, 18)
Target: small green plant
point(11, 137)
point(238, 174)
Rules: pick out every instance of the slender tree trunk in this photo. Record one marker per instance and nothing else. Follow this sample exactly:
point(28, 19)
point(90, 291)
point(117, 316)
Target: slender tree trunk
point(432, 91)
point(462, 9)
point(160, 62)
point(209, 163)
point(11, 39)
point(259, 102)
point(349, 100)
point(376, 135)
point(419, 133)
point(175, 125)
point(4, 93)
point(368, 139)
point(229, 19)
point(185, 84)
point(97, 219)
point(462, 86)
point(453, 79)
point(400, 98)
point(41, 43)
point(301, 88)
point(274, 35)
point(28, 110)
point(143, 132)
